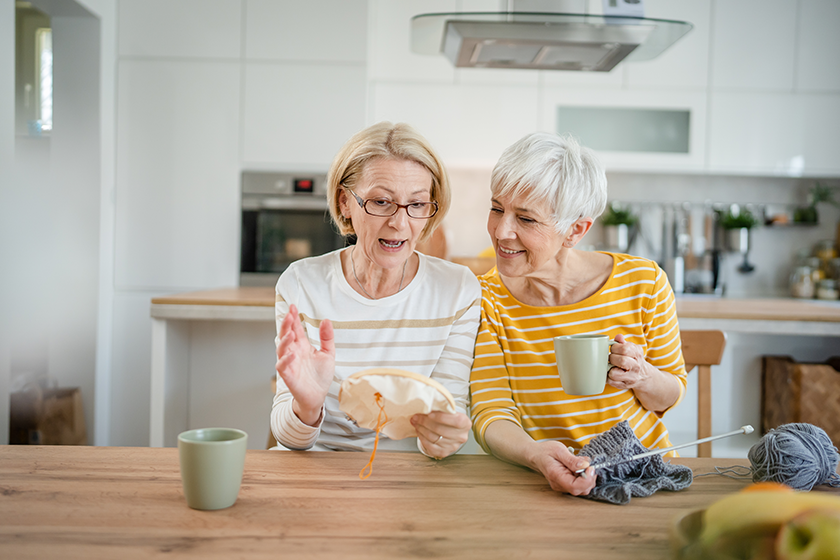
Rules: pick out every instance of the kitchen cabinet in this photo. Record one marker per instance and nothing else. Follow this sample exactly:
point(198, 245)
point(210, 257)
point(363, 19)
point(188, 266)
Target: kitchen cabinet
point(818, 45)
point(177, 183)
point(774, 133)
point(390, 43)
point(305, 81)
point(469, 125)
point(300, 115)
point(693, 102)
point(301, 31)
point(753, 45)
point(162, 28)
point(685, 65)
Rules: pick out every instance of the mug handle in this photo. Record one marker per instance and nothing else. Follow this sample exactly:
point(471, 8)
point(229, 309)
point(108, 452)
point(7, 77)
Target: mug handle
point(609, 365)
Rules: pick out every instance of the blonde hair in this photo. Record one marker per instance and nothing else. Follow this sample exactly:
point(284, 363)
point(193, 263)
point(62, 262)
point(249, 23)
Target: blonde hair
point(386, 141)
point(557, 170)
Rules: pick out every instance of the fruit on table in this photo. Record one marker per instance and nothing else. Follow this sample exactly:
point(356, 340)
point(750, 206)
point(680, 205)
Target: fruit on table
point(760, 512)
point(811, 535)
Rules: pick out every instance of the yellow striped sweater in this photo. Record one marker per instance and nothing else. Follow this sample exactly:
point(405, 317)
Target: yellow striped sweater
point(514, 375)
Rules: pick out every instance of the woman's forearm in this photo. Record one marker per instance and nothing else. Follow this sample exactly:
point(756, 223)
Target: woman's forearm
point(660, 390)
point(510, 443)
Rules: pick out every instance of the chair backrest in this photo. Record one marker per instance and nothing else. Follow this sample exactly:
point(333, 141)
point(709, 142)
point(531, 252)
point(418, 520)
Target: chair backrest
point(703, 349)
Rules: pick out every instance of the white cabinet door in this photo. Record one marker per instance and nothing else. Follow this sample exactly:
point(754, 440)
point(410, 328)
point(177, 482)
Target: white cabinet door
point(177, 191)
point(692, 102)
point(300, 115)
point(753, 44)
point(778, 134)
point(314, 30)
point(187, 28)
point(469, 125)
point(391, 58)
point(817, 62)
point(685, 65)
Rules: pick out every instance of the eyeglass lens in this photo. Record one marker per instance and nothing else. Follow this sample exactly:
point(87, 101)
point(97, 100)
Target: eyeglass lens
point(378, 207)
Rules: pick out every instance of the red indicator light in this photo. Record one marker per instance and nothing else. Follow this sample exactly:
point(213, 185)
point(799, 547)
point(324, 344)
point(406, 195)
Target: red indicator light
point(304, 185)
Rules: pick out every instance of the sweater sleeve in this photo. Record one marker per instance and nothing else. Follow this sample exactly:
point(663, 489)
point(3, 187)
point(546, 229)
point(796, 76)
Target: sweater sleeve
point(662, 333)
point(490, 391)
point(287, 428)
point(453, 367)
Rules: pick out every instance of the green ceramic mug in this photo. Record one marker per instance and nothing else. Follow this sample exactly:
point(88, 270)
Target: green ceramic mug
point(583, 361)
point(212, 461)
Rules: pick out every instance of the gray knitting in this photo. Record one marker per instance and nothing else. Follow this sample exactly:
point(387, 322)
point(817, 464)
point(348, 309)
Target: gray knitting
point(642, 477)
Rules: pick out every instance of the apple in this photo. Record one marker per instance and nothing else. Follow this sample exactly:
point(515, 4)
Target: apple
point(811, 535)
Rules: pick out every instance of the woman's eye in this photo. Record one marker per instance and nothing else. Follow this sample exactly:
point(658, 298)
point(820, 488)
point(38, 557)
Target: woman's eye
point(380, 202)
point(525, 220)
point(418, 204)
point(497, 210)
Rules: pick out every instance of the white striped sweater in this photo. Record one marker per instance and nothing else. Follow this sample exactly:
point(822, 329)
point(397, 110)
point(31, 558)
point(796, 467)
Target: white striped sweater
point(429, 327)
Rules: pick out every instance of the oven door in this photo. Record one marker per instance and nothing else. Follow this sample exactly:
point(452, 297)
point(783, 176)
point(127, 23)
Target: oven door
point(273, 238)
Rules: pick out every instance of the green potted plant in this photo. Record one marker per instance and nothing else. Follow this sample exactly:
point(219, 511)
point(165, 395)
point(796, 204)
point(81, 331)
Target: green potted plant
point(738, 222)
point(808, 214)
point(618, 222)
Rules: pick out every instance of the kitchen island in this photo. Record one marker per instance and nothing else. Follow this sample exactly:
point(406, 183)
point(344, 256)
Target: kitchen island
point(112, 502)
point(224, 338)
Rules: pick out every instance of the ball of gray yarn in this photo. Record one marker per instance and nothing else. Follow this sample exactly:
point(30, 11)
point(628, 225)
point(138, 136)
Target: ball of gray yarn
point(799, 455)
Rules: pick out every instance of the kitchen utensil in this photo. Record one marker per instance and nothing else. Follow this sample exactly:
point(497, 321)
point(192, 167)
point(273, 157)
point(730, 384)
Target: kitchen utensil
point(742, 430)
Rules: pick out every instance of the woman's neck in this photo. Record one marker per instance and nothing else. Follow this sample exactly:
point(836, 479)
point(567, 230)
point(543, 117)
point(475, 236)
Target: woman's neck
point(571, 278)
point(374, 282)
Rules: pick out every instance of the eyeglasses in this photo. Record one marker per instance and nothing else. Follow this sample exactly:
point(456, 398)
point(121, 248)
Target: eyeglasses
point(383, 208)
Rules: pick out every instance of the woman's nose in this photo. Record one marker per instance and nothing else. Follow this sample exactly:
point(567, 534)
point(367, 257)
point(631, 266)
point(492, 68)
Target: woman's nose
point(399, 219)
point(504, 229)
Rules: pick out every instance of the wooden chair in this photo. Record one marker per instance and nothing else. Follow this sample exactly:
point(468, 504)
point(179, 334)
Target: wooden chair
point(703, 349)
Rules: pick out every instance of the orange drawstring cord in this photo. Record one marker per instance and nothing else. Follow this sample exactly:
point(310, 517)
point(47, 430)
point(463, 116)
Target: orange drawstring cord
point(379, 424)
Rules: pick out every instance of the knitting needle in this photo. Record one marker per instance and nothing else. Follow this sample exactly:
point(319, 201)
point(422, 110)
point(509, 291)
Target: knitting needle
point(742, 430)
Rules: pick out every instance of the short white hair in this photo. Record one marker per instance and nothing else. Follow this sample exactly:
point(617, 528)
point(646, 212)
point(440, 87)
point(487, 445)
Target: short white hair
point(547, 168)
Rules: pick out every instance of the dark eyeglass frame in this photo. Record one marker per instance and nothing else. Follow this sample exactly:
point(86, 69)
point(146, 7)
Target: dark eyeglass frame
point(363, 205)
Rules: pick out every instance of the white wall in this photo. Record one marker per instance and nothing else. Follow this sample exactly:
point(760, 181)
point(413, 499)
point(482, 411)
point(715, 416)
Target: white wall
point(51, 227)
point(7, 150)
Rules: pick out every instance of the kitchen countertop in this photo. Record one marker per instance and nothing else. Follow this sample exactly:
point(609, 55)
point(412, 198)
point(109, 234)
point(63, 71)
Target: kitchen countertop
point(767, 309)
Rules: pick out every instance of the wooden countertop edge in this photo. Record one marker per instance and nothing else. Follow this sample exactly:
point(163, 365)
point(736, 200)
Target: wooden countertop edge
point(769, 309)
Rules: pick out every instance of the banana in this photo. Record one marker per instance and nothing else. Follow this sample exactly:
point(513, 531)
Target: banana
point(750, 511)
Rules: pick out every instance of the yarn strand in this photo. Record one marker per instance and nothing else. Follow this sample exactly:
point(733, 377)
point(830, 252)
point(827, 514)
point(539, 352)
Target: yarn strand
point(379, 424)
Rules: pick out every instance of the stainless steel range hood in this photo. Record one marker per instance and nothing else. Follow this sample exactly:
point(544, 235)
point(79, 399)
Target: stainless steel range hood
point(542, 41)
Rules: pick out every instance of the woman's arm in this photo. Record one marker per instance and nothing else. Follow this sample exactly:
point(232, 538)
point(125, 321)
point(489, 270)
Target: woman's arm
point(440, 434)
point(655, 374)
point(552, 459)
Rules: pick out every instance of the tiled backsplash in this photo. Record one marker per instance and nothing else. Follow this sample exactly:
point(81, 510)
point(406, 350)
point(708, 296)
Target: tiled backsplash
point(773, 249)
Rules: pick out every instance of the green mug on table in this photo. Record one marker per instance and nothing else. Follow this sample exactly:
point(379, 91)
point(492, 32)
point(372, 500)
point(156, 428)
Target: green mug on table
point(212, 462)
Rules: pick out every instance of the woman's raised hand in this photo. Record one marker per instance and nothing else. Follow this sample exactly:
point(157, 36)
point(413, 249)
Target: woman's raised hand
point(306, 371)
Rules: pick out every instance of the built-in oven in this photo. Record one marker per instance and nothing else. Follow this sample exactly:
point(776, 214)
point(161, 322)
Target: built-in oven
point(284, 218)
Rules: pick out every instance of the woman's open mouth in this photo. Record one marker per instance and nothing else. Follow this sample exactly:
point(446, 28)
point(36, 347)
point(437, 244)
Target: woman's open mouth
point(391, 243)
point(504, 251)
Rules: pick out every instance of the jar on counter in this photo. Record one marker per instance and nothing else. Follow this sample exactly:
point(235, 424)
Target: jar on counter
point(802, 283)
point(825, 250)
point(817, 272)
point(827, 289)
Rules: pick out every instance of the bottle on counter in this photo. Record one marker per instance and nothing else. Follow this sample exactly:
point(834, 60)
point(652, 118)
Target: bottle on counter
point(802, 283)
point(827, 289)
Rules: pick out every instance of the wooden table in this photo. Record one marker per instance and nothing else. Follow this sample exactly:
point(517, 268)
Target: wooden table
point(109, 502)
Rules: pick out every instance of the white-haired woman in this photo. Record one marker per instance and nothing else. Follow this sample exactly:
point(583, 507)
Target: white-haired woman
point(546, 193)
